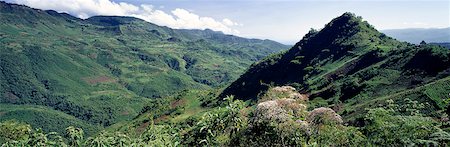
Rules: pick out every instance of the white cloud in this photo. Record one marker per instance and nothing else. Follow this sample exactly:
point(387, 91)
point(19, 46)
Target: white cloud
point(178, 18)
point(228, 22)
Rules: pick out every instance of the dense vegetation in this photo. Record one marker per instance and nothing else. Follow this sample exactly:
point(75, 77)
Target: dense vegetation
point(445, 44)
point(121, 81)
point(350, 66)
point(281, 119)
point(96, 72)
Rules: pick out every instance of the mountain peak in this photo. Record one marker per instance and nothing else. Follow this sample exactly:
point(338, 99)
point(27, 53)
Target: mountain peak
point(346, 31)
point(342, 40)
point(348, 15)
point(347, 24)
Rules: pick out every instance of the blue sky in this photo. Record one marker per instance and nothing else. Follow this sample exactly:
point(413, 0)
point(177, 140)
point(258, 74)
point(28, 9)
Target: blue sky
point(285, 21)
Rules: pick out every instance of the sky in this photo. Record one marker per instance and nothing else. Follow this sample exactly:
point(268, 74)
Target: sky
point(285, 21)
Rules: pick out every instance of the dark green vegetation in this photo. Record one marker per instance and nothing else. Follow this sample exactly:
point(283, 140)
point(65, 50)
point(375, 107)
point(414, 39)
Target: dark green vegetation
point(146, 85)
point(447, 45)
point(57, 70)
point(350, 66)
point(282, 120)
point(417, 35)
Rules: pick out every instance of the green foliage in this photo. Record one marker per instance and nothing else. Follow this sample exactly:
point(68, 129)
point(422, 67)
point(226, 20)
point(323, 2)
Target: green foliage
point(230, 125)
point(161, 135)
point(22, 135)
point(122, 61)
point(350, 64)
point(440, 138)
point(330, 135)
point(218, 126)
point(445, 44)
point(18, 134)
point(317, 102)
point(391, 126)
point(439, 93)
point(386, 129)
point(75, 135)
point(12, 130)
point(322, 127)
point(271, 134)
point(104, 69)
point(309, 69)
point(44, 117)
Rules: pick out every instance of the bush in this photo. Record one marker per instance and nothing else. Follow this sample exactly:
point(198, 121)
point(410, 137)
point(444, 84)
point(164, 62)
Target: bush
point(324, 116)
point(217, 126)
point(12, 130)
point(384, 128)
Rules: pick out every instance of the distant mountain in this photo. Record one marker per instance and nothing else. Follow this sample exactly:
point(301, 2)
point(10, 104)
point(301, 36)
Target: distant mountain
point(417, 35)
point(351, 66)
point(57, 70)
point(445, 44)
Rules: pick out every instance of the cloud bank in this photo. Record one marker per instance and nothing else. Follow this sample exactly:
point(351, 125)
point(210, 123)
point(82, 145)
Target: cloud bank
point(178, 18)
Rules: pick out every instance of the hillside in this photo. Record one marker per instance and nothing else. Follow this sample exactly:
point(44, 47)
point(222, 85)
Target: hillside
point(417, 35)
point(444, 44)
point(345, 85)
point(96, 72)
point(350, 66)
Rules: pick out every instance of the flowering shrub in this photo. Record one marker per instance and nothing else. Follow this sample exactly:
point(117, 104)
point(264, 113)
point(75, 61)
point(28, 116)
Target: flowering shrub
point(321, 116)
point(283, 92)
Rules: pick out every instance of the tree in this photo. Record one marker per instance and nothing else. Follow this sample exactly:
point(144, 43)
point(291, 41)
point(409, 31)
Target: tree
point(13, 130)
point(423, 42)
point(75, 136)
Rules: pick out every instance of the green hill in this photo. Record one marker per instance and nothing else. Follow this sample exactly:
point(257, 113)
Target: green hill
point(105, 69)
point(345, 85)
point(351, 66)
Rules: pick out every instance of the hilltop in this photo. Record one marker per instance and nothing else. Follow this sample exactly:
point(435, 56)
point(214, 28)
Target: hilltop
point(350, 66)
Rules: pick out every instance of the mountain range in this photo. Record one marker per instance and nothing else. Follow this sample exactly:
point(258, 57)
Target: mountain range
point(416, 35)
point(98, 71)
point(122, 81)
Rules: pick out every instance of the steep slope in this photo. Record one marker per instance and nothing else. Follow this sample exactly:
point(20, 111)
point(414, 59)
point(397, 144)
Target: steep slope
point(104, 69)
point(351, 66)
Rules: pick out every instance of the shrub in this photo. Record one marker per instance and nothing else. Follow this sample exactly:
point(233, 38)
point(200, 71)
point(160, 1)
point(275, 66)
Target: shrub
point(75, 135)
point(385, 129)
point(218, 126)
point(280, 92)
point(13, 133)
point(324, 116)
point(13, 130)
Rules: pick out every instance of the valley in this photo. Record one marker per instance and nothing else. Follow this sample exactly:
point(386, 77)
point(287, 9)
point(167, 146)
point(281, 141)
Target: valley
point(105, 69)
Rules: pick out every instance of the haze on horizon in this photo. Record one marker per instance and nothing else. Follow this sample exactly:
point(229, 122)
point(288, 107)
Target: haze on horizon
point(285, 21)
